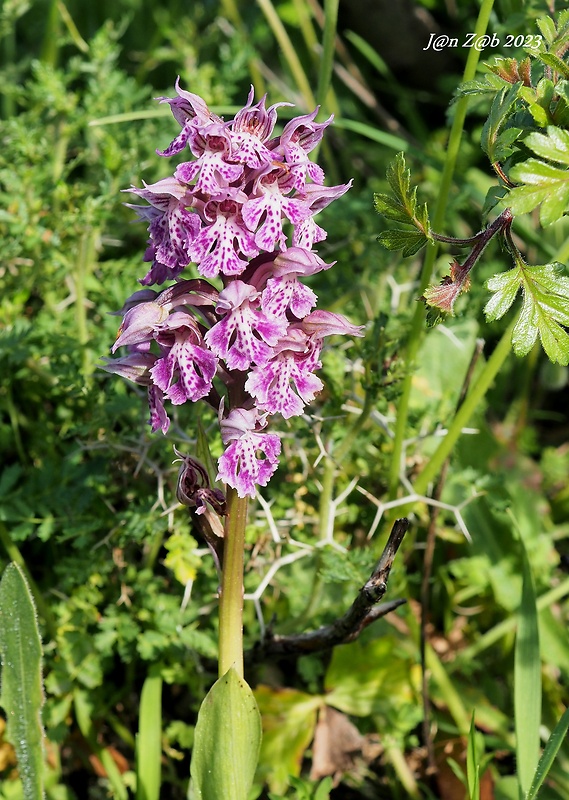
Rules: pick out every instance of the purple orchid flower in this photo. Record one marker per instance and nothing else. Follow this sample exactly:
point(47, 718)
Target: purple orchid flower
point(250, 346)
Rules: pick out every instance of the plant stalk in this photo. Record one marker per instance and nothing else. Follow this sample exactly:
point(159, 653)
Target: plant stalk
point(418, 321)
point(231, 595)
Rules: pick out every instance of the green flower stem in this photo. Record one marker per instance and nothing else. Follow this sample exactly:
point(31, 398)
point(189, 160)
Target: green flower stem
point(418, 321)
point(231, 596)
point(471, 402)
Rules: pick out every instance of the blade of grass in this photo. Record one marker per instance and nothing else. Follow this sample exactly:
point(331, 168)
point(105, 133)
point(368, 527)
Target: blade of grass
point(327, 59)
point(149, 740)
point(507, 626)
point(448, 692)
point(84, 716)
point(289, 53)
point(381, 137)
point(307, 29)
point(472, 764)
point(548, 756)
point(480, 387)
point(231, 11)
point(527, 680)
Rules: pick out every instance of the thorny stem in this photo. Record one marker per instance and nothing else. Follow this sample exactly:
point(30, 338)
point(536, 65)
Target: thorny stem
point(334, 458)
point(417, 324)
point(231, 594)
point(363, 611)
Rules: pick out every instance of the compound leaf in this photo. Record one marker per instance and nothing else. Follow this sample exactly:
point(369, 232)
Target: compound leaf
point(544, 311)
point(556, 63)
point(402, 206)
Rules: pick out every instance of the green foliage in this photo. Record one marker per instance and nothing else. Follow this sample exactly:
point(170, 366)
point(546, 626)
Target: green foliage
point(22, 694)
point(545, 307)
point(497, 144)
point(149, 740)
point(87, 495)
point(543, 182)
point(306, 790)
point(227, 741)
point(527, 679)
point(550, 751)
point(402, 206)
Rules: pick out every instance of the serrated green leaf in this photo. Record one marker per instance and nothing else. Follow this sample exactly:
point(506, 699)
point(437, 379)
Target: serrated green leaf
point(552, 146)
point(506, 285)
point(542, 183)
point(539, 114)
point(547, 28)
point(227, 741)
point(22, 694)
point(399, 179)
point(490, 84)
point(503, 145)
point(499, 112)
point(390, 208)
point(409, 242)
point(544, 311)
point(422, 217)
point(402, 207)
point(556, 63)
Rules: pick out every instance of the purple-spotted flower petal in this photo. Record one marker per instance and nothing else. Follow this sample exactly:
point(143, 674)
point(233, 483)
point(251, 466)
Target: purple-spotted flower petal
point(212, 148)
point(158, 417)
point(224, 245)
point(245, 335)
point(287, 383)
point(251, 456)
point(172, 226)
point(299, 137)
point(271, 205)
